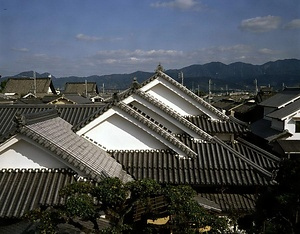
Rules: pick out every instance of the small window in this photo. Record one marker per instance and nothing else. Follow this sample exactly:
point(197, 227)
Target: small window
point(297, 123)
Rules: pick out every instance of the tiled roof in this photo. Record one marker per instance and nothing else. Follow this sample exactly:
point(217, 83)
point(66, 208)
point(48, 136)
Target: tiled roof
point(56, 135)
point(286, 111)
point(81, 88)
point(71, 113)
point(283, 98)
point(26, 189)
point(290, 146)
point(215, 164)
point(232, 202)
point(213, 127)
point(23, 86)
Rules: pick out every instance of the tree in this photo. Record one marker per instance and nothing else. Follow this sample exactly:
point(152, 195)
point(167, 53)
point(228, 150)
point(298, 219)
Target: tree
point(2, 84)
point(87, 201)
point(187, 215)
point(277, 209)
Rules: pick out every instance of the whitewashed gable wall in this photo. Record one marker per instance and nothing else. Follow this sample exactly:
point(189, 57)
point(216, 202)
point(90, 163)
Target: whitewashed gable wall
point(22, 154)
point(175, 98)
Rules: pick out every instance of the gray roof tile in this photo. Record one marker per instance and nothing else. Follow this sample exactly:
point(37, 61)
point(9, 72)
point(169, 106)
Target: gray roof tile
point(56, 135)
point(282, 98)
point(286, 111)
point(71, 113)
point(23, 86)
point(22, 190)
point(214, 165)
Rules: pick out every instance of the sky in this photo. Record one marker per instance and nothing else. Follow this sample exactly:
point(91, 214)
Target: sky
point(101, 37)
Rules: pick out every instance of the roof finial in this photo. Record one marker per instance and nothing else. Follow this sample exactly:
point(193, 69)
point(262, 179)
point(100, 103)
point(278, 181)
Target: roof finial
point(135, 84)
point(115, 97)
point(159, 68)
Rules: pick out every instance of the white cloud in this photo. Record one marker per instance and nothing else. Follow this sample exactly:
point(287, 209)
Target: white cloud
point(268, 51)
point(135, 56)
point(294, 24)
point(261, 24)
point(180, 4)
point(83, 37)
point(20, 49)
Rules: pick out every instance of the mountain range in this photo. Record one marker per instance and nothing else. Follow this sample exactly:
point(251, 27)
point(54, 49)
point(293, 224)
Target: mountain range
point(235, 76)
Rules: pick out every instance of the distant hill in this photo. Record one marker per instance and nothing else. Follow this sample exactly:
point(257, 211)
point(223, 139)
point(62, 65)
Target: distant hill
point(223, 77)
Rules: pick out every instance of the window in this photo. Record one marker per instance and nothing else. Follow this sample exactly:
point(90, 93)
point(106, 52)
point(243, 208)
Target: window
point(297, 124)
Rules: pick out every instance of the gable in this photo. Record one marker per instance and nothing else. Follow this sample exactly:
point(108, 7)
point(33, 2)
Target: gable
point(19, 153)
point(162, 86)
point(117, 132)
point(173, 100)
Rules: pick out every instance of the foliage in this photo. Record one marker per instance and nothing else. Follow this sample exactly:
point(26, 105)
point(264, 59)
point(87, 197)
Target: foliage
point(87, 201)
point(187, 215)
point(277, 209)
point(3, 84)
point(47, 219)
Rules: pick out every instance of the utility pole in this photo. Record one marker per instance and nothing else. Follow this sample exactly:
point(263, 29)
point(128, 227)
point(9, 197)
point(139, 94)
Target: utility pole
point(180, 76)
point(86, 88)
point(209, 90)
point(256, 88)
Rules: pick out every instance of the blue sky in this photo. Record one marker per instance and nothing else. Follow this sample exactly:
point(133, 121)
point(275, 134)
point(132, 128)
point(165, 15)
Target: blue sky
point(97, 37)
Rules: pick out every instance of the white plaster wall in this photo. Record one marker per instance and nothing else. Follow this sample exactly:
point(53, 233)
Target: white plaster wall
point(291, 127)
point(22, 154)
point(174, 101)
point(186, 105)
point(117, 133)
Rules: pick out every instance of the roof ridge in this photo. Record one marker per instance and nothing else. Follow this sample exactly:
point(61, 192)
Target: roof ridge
point(191, 94)
point(272, 156)
point(166, 135)
point(175, 114)
point(246, 160)
point(27, 119)
point(69, 170)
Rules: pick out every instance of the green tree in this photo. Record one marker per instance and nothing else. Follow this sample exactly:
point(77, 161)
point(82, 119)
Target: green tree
point(277, 209)
point(2, 85)
point(87, 201)
point(187, 215)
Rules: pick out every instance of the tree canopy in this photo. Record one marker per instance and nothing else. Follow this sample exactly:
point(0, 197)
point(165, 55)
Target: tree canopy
point(277, 209)
point(118, 201)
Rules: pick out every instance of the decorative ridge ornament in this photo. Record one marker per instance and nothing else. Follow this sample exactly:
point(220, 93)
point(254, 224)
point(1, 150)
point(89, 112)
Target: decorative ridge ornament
point(159, 68)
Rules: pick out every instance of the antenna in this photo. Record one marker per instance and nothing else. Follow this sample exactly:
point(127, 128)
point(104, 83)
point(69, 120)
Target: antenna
point(34, 83)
